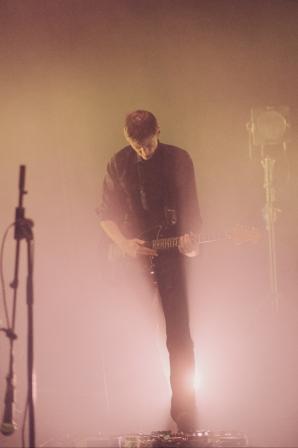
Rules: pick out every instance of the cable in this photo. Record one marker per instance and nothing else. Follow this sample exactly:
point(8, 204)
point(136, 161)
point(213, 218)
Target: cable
point(2, 274)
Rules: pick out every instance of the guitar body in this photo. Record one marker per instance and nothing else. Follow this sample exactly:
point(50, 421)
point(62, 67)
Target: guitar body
point(157, 237)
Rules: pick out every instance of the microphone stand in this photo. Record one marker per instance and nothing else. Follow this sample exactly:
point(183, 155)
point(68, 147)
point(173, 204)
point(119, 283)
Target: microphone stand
point(30, 344)
point(23, 230)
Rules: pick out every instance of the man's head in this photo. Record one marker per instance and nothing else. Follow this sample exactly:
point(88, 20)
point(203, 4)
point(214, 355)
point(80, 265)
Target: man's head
point(142, 131)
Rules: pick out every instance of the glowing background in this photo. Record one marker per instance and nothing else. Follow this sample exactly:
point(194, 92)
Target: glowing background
point(70, 70)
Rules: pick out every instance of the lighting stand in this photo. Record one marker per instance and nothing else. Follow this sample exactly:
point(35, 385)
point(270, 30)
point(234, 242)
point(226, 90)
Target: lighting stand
point(270, 216)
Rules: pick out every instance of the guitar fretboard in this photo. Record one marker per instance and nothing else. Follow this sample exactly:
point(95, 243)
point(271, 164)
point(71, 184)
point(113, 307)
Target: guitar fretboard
point(165, 243)
point(169, 243)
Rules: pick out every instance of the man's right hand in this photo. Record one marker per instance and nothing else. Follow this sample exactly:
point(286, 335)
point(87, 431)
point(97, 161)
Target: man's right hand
point(135, 247)
point(131, 247)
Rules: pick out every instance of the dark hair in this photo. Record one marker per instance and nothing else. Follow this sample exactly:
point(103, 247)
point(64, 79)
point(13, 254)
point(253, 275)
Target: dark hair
point(140, 124)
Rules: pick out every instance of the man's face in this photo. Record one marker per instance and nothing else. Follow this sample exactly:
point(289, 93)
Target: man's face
point(147, 147)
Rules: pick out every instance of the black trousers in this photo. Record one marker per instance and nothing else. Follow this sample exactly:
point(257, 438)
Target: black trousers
point(172, 288)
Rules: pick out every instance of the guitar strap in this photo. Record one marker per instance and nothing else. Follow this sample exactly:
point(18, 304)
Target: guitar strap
point(143, 196)
point(170, 210)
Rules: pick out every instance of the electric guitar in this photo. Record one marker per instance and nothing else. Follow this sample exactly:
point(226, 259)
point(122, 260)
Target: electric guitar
point(154, 238)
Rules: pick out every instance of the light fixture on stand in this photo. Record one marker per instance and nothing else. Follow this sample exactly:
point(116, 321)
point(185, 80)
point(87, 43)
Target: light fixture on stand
point(268, 129)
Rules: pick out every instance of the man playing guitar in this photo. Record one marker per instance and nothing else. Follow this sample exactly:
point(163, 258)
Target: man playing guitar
point(149, 187)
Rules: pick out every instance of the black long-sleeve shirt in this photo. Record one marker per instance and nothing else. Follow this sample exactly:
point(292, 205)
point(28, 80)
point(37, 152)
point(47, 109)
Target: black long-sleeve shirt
point(140, 194)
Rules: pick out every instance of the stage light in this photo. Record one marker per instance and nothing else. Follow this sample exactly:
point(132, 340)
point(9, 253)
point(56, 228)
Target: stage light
point(269, 125)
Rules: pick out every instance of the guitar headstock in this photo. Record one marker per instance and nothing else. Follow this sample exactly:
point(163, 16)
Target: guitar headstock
point(241, 234)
